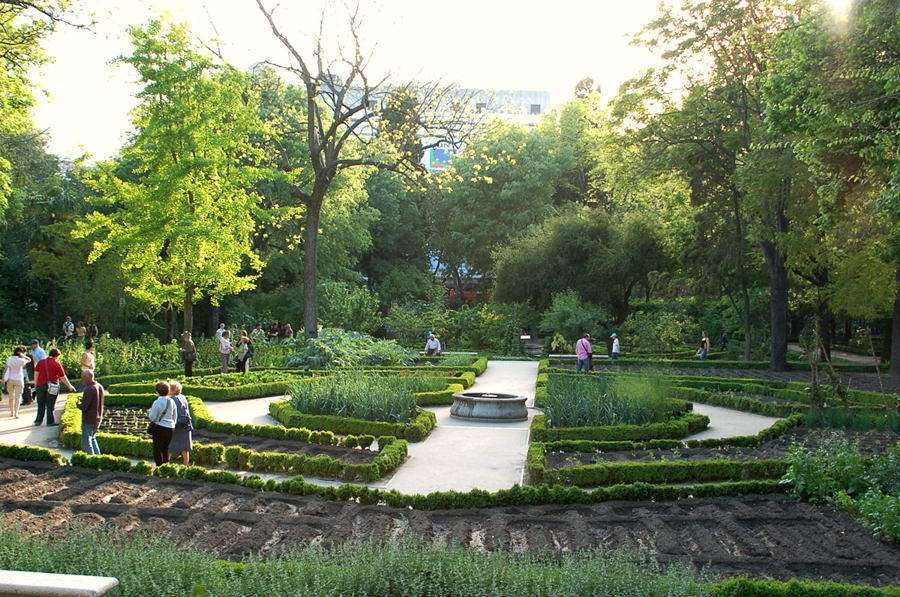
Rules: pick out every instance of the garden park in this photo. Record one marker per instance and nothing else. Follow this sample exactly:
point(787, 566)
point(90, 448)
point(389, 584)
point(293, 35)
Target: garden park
point(642, 342)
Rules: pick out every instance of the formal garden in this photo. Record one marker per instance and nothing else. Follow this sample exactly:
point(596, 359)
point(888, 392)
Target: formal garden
point(442, 340)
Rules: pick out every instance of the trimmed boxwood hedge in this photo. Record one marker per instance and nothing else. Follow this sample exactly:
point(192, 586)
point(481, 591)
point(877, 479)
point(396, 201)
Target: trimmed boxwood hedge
point(674, 428)
point(284, 412)
point(750, 441)
point(392, 453)
point(679, 471)
point(18, 452)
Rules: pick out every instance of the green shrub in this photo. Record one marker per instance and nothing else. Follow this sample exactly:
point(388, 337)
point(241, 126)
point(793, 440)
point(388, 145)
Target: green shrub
point(672, 429)
point(584, 401)
point(416, 430)
point(359, 395)
point(338, 348)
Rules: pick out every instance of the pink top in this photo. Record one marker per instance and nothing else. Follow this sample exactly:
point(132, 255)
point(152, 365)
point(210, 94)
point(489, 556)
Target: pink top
point(582, 348)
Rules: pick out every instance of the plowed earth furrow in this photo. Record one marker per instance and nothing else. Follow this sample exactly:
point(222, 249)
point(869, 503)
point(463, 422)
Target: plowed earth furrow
point(768, 536)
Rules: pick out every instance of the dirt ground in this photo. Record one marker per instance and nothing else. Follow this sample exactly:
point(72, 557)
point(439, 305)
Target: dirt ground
point(761, 536)
point(870, 442)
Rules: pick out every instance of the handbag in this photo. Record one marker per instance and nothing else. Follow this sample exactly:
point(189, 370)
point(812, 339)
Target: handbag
point(52, 386)
point(184, 421)
point(191, 356)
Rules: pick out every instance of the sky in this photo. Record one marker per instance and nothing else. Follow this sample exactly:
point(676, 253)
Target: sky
point(85, 98)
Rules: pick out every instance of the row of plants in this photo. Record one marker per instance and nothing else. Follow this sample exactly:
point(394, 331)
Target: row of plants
point(838, 473)
point(626, 361)
point(416, 430)
point(391, 453)
point(396, 567)
point(674, 428)
point(602, 400)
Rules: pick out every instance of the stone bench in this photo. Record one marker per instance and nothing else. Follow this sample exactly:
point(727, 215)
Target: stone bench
point(43, 584)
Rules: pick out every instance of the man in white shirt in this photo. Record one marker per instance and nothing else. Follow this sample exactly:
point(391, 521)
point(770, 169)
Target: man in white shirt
point(219, 331)
point(225, 348)
point(615, 346)
point(433, 346)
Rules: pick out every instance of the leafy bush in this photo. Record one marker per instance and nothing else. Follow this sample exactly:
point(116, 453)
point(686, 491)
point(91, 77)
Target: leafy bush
point(583, 401)
point(352, 307)
point(572, 317)
point(660, 331)
point(458, 360)
point(838, 472)
point(359, 395)
point(338, 348)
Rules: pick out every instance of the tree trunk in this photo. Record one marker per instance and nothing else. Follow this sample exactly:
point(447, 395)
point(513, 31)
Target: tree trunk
point(745, 320)
point(778, 303)
point(170, 324)
point(189, 307)
point(824, 323)
point(895, 329)
point(311, 266)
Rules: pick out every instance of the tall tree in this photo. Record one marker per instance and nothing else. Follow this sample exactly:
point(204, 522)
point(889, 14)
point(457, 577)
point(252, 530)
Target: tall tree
point(181, 216)
point(344, 113)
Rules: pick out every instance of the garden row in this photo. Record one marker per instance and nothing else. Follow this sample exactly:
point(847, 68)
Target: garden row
point(668, 362)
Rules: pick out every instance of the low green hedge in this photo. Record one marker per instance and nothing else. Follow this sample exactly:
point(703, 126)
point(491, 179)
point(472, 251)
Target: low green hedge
point(751, 441)
point(745, 587)
point(627, 361)
point(742, 403)
point(17, 452)
point(284, 412)
point(675, 428)
point(442, 397)
point(110, 380)
point(679, 471)
point(214, 454)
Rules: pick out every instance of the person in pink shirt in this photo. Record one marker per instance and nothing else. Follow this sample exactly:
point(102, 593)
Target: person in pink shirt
point(584, 352)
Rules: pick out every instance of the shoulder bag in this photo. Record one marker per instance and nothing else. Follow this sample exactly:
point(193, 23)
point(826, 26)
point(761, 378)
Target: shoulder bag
point(52, 386)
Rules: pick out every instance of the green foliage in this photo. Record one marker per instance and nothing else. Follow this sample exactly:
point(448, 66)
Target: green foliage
point(352, 308)
point(610, 473)
point(673, 428)
point(572, 317)
point(184, 213)
point(836, 471)
point(359, 395)
point(417, 430)
point(659, 332)
point(586, 401)
point(335, 347)
point(406, 566)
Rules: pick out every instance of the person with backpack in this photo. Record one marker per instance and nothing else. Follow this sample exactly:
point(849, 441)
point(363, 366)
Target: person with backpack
point(162, 415)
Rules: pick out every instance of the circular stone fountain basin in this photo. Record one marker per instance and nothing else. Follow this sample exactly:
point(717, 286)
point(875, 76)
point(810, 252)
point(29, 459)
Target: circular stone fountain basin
point(489, 406)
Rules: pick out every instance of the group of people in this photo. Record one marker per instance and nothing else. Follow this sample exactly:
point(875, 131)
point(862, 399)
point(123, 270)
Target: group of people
point(584, 352)
point(80, 331)
point(34, 375)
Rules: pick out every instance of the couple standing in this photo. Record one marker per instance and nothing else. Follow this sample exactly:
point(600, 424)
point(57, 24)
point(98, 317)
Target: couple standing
point(584, 352)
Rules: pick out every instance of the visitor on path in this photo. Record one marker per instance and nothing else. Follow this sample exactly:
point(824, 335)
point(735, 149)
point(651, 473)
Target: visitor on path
point(614, 352)
point(225, 349)
point(242, 353)
point(288, 331)
point(273, 330)
point(258, 334)
point(37, 355)
point(704, 346)
point(162, 415)
point(433, 346)
point(584, 352)
point(188, 353)
point(88, 357)
point(91, 406)
point(220, 331)
point(49, 373)
point(68, 328)
point(723, 341)
point(81, 332)
point(14, 378)
point(181, 437)
point(93, 331)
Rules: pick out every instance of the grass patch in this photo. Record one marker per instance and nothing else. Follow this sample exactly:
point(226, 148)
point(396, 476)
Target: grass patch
point(359, 395)
point(602, 400)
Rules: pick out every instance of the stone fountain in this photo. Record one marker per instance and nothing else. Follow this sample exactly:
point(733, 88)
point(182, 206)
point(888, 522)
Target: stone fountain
point(489, 406)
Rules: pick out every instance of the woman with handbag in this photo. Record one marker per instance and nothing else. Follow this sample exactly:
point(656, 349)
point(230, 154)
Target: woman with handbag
point(49, 374)
point(14, 377)
point(188, 353)
point(181, 437)
point(162, 415)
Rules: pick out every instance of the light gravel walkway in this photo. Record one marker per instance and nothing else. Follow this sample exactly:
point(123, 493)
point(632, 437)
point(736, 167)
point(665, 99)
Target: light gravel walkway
point(727, 422)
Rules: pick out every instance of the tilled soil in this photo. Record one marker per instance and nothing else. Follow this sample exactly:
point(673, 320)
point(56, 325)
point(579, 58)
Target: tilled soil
point(869, 442)
point(768, 536)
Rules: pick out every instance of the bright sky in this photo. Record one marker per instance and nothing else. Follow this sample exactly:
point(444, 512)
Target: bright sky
point(492, 44)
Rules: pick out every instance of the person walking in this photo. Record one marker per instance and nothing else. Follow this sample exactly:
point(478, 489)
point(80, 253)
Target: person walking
point(188, 353)
point(81, 332)
point(162, 415)
point(91, 405)
point(181, 437)
point(584, 352)
point(723, 342)
point(88, 357)
point(14, 378)
point(704, 345)
point(37, 355)
point(49, 374)
point(614, 353)
point(225, 349)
